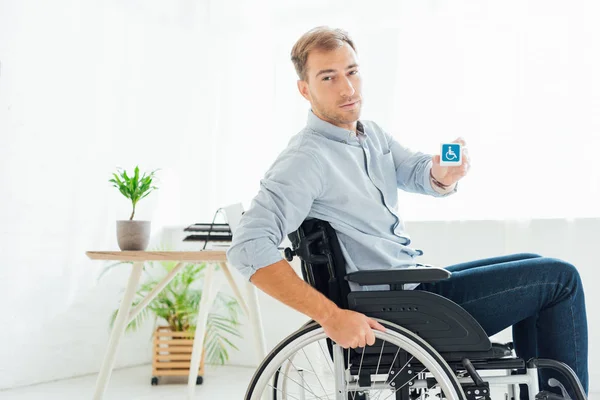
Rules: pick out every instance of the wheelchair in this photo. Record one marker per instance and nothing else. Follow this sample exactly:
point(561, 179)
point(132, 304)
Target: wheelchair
point(432, 348)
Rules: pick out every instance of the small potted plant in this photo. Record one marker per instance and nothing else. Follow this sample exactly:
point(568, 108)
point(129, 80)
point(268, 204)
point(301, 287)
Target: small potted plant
point(175, 312)
point(133, 235)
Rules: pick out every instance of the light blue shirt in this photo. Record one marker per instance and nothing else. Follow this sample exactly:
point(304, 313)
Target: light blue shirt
point(349, 180)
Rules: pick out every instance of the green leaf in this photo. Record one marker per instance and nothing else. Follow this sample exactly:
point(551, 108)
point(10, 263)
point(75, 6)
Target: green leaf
point(135, 187)
point(136, 176)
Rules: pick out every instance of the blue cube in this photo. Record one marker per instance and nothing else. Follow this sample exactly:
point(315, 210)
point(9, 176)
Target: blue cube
point(450, 154)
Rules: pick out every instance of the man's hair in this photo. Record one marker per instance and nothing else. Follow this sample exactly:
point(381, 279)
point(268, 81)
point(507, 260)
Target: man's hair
point(319, 38)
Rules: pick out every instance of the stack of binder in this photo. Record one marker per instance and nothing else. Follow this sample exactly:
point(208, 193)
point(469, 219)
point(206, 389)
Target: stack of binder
point(209, 232)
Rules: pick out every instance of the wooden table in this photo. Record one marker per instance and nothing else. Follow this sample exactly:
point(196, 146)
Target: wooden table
point(126, 314)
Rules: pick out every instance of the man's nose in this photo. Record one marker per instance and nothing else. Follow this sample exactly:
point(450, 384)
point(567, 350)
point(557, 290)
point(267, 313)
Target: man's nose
point(347, 88)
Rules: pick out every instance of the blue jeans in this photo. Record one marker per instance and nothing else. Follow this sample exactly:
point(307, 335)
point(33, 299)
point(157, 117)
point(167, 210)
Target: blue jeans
point(541, 298)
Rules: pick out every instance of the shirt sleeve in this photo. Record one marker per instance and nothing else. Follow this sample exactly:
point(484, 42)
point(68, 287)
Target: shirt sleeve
point(412, 170)
point(283, 202)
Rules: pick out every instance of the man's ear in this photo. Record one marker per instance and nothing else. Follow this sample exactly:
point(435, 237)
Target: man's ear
point(303, 89)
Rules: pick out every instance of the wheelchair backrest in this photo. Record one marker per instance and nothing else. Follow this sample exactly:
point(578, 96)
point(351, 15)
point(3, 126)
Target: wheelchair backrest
point(323, 264)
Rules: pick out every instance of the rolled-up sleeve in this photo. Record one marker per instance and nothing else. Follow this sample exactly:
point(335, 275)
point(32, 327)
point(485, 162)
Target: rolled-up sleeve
point(283, 202)
point(412, 170)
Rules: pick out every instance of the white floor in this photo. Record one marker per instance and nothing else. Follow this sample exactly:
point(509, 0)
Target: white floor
point(220, 383)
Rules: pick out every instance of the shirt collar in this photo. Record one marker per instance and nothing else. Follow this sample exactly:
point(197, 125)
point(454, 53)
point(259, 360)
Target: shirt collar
point(333, 132)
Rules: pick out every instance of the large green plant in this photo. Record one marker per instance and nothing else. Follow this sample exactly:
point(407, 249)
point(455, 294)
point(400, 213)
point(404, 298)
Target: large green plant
point(134, 188)
point(177, 305)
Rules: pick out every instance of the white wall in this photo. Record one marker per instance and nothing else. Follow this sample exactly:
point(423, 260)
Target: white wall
point(88, 86)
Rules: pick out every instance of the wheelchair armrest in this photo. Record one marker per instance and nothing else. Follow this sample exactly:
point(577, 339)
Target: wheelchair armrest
point(399, 276)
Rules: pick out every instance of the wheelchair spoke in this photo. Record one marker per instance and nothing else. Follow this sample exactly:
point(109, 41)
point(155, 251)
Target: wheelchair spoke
point(302, 376)
point(317, 375)
point(284, 393)
point(393, 361)
point(348, 351)
point(297, 398)
point(398, 373)
point(407, 382)
point(326, 357)
point(362, 356)
point(378, 363)
point(299, 385)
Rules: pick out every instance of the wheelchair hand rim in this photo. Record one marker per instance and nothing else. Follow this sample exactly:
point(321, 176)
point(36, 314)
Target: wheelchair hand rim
point(412, 343)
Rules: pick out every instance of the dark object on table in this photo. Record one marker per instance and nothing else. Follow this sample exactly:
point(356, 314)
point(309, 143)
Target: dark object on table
point(202, 227)
point(208, 232)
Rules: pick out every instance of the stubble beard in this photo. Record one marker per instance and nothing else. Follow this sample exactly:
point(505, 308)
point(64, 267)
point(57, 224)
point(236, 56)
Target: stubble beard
point(338, 116)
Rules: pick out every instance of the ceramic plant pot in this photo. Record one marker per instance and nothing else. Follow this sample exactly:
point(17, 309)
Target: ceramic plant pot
point(133, 235)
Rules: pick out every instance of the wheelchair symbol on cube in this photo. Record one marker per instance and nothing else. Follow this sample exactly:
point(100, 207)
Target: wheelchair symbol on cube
point(450, 154)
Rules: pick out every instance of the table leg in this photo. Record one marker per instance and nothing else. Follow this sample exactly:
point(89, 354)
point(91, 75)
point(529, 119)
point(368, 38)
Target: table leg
point(256, 322)
point(118, 330)
point(208, 295)
point(234, 287)
point(157, 289)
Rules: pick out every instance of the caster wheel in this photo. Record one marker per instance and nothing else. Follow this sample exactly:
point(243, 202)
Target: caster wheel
point(154, 381)
point(199, 380)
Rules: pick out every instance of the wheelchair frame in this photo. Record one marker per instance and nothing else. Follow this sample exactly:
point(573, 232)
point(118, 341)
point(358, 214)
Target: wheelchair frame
point(442, 324)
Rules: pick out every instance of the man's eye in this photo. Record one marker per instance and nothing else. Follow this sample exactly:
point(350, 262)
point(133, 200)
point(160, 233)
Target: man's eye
point(327, 78)
point(354, 72)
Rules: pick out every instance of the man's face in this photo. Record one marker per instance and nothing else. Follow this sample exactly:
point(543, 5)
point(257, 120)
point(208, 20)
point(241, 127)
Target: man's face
point(333, 86)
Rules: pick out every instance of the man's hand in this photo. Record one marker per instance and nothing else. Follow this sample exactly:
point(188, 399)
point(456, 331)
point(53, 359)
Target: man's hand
point(450, 175)
point(351, 329)
point(346, 328)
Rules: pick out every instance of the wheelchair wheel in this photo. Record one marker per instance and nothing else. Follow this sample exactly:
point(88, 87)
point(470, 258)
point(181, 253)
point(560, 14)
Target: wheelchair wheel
point(307, 365)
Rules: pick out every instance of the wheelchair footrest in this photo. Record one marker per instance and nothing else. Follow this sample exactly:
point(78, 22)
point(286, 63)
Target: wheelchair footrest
point(477, 392)
point(480, 390)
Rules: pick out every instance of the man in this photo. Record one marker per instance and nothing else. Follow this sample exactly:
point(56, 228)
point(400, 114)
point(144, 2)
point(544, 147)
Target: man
point(347, 171)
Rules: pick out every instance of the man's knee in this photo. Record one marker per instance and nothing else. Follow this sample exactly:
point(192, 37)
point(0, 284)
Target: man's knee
point(565, 271)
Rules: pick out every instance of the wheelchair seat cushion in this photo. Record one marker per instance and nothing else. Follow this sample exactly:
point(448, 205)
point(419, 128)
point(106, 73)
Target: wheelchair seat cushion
point(498, 351)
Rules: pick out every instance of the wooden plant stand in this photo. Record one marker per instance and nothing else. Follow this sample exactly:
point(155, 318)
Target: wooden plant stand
point(172, 353)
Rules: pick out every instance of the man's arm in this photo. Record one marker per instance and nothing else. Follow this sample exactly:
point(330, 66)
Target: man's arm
point(283, 202)
point(346, 328)
point(280, 281)
point(413, 169)
point(286, 195)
